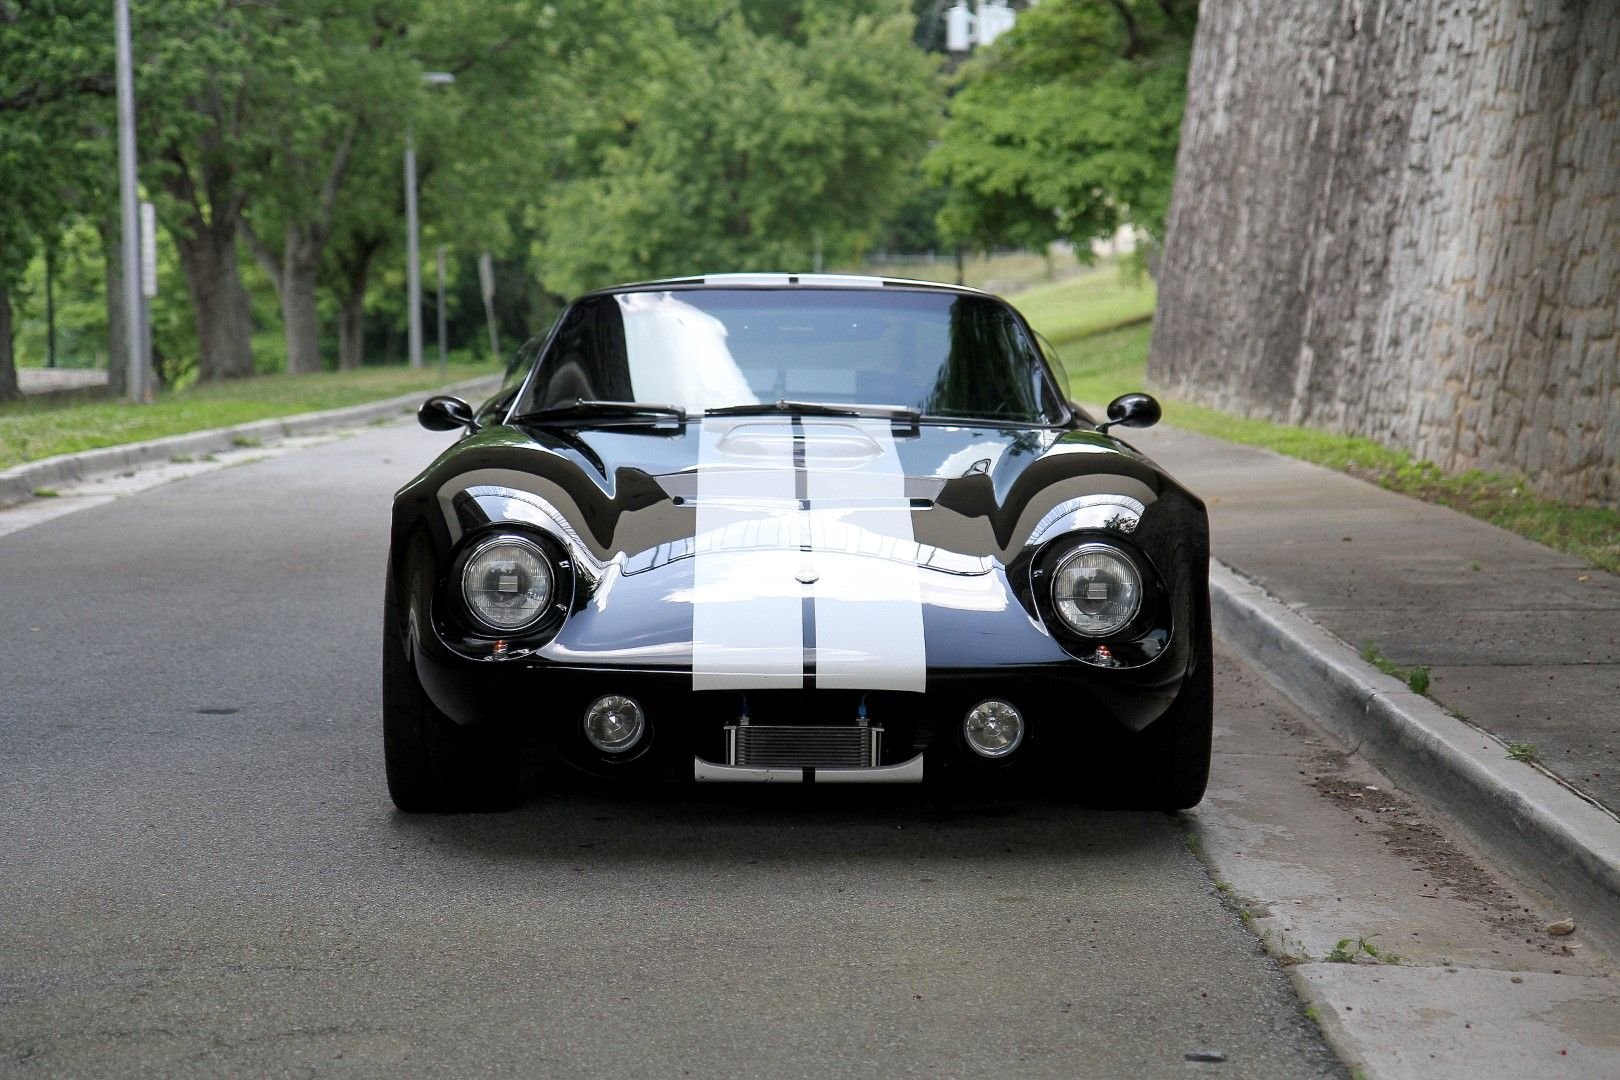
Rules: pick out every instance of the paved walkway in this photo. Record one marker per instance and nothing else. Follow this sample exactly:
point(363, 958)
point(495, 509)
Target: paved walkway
point(1521, 640)
point(44, 380)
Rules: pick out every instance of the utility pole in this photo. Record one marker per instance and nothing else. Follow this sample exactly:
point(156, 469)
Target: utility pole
point(444, 341)
point(413, 231)
point(135, 332)
point(148, 279)
point(486, 286)
point(50, 305)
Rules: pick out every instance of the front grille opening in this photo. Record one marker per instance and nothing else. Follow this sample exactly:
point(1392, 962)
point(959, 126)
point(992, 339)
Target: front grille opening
point(773, 746)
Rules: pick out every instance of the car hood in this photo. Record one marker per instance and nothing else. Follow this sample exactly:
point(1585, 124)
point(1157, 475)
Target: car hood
point(747, 549)
point(972, 490)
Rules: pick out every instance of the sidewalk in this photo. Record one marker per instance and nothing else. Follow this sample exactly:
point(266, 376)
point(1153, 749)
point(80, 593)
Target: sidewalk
point(1520, 640)
point(1522, 643)
point(56, 380)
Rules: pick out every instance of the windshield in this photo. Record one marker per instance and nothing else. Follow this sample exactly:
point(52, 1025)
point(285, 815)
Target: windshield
point(942, 354)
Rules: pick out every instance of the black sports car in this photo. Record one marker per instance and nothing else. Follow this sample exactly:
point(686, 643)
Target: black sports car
point(782, 528)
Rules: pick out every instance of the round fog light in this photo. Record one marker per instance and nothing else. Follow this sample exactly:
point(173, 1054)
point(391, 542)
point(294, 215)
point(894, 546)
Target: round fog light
point(993, 729)
point(614, 724)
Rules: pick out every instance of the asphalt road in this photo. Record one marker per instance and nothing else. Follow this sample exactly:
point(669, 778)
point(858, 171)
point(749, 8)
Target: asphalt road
point(201, 873)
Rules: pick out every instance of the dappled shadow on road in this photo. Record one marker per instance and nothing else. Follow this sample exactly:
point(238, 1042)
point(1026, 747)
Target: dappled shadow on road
point(571, 818)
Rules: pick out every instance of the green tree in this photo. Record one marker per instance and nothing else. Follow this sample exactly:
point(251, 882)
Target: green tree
point(481, 147)
point(55, 80)
point(200, 65)
point(737, 148)
point(369, 227)
point(355, 79)
point(1067, 127)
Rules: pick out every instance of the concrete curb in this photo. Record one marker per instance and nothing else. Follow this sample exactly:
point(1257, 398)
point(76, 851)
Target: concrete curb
point(19, 483)
point(1543, 832)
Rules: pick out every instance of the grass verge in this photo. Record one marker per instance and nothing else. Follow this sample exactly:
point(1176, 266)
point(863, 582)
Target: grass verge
point(31, 430)
point(1103, 366)
point(1003, 272)
point(1063, 299)
point(1102, 299)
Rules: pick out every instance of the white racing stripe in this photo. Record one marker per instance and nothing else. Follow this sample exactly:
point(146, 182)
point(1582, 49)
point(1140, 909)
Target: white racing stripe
point(755, 587)
point(868, 606)
point(747, 604)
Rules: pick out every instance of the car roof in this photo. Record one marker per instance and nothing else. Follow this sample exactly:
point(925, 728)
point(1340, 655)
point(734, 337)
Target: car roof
point(787, 281)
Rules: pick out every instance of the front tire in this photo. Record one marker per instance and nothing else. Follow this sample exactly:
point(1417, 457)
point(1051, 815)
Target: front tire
point(435, 765)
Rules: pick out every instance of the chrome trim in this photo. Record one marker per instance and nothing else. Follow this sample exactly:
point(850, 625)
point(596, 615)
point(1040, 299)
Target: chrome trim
point(907, 772)
point(709, 772)
point(1114, 513)
point(500, 503)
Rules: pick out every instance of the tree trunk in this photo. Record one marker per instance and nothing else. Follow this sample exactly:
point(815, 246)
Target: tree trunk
point(218, 300)
point(355, 268)
point(301, 321)
point(8, 363)
point(352, 327)
point(293, 275)
point(117, 340)
point(296, 273)
point(295, 286)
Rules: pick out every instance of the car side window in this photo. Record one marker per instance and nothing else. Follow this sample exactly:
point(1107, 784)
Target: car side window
point(495, 406)
point(586, 359)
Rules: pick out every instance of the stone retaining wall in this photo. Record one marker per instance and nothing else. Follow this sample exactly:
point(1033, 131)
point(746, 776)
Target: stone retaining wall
point(1402, 220)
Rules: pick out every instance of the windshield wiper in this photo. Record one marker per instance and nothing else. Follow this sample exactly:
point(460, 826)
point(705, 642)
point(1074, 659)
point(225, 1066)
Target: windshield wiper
point(591, 409)
point(818, 408)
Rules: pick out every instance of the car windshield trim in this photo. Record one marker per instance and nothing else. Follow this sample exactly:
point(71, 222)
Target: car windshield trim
point(914, 354)
point(819, 408)
point(981, 420)
point(593, 409)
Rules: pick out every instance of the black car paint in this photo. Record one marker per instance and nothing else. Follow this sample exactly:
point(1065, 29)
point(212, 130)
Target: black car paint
point(636, 647)
point(626, 487)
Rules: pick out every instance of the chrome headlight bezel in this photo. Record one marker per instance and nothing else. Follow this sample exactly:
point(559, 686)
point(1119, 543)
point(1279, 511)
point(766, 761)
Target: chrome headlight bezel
point(1128, 572)
point(466, 565)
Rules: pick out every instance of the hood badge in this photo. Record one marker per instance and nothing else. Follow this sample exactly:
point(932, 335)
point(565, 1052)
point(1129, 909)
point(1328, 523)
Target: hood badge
point(806, 577)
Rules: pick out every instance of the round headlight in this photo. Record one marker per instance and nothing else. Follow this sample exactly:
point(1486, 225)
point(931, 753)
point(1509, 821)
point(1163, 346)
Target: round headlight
point(507, 583)
point(1097, 590)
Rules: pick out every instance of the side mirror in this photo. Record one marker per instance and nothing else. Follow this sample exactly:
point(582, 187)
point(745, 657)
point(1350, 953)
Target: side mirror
point(442, 412)
point(1132, 410)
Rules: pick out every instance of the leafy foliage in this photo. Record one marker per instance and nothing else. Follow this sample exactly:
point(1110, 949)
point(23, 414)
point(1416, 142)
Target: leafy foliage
point(737, 148)
point(591, 141)
point(53, 100)
point(55, 97)
point(1067, 127)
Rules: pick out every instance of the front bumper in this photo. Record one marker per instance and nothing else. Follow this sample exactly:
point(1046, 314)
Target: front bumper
point(906, 772)
point(1067, 708)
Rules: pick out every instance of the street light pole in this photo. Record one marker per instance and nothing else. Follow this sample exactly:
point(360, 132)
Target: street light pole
point(413, 234)
point(134, 323)
point(444, 351)
point(413, 269)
